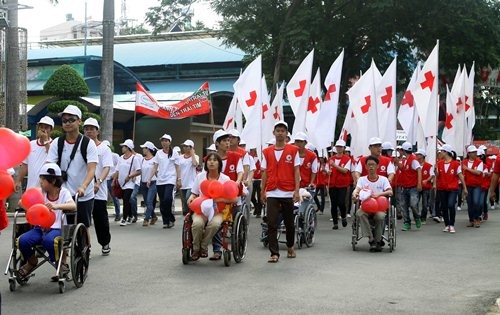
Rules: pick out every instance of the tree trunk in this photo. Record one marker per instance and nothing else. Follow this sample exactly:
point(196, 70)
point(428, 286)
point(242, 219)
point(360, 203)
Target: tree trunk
point(107, 70)
point(282, 39)
point(12, 71)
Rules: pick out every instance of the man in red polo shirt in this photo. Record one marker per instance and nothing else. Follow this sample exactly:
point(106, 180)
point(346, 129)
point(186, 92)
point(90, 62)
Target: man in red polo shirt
point(280, 189)
point(494, 178)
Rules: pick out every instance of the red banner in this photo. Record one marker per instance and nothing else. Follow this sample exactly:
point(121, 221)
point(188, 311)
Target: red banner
point(197, 104)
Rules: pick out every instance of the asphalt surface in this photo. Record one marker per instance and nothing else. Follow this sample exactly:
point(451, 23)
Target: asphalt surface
point(430, 272)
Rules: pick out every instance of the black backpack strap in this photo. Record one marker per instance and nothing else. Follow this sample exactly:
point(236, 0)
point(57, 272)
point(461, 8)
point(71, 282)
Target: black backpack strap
point(83, 148)
point(60, 147)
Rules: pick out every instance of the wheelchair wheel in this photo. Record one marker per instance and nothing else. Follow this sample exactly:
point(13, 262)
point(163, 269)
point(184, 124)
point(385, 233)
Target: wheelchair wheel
point(80, 253)
point(239, 237)
point(62, 287)
point(187, 239)
point(392, 229)
point(355, 231)
point(244, 210)
point(12, 285)
point(310, 223)
point(227, 258)
point(299, 230)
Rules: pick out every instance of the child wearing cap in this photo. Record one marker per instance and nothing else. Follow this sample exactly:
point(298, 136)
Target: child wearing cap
point(57, 200)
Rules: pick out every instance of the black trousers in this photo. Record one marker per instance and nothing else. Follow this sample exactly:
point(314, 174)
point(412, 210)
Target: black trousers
point(277, 208)
point(337, 201)
point(257, 204)
point(101, 222)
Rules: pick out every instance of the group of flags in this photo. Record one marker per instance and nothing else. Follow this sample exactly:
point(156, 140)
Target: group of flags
point(371, 113)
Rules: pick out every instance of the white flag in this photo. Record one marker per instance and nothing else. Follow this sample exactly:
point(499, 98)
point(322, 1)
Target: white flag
point(277, 105)
point(457, 99)
point(470, 112)
point(247, 87)
point(313, 108)
point(407, 115)
point(267, 119)
point(386, 104)
point(298, 92)
point(229, 121)
point(450, 130)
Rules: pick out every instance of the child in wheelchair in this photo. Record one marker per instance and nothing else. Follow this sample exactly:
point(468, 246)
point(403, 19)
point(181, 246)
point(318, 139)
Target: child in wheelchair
point(57, 199)
point(376, 186)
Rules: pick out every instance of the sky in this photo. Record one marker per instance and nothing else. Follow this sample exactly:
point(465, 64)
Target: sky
point(44, 14)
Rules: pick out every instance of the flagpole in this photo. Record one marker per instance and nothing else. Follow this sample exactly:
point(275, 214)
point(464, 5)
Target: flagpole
point(133, 127)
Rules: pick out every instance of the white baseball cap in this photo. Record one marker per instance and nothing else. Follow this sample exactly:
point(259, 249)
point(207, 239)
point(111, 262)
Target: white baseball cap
point(91, 122)
point(128, 143)
point(166, 136)
point(212, 147)
point(188, 143)
point(387, 146)
point(333, 150)
point(234, 133)
point(347, 149)
point(301, 136)
point(395, 154)
point(471, 148)
point(421, 152)
point(375, 140)
point(242, 142)
point(407, 146)
point(480, 152)
point(72, 110)
point(50, 169)
point(311, 147)
point(271, 141)
point(340, 143)
point(447, 148)
point(281, 123)
point(46, 120)
point(219, 134)
point(149, 145)
point(483, 147)
point(176, 149)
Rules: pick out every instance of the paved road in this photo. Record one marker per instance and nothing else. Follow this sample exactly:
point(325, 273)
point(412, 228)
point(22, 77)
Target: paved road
point(430, 272)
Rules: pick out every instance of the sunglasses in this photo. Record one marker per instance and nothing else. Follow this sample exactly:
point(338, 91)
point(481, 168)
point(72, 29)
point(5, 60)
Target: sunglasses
point(69, 120)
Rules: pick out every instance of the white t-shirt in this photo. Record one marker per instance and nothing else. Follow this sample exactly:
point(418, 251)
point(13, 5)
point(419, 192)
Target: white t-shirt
point(277, 193)
point(64, 197)
point(253, 161)
point(78, 168)
point(105, 160)
point(116, 158)
point(187, 170)
point(390, 168)
point(147, 169)
point(378, 186)
point(480, 166)
point(124, 169)
point(34, 161)
point(203, 176)
point(166, 168)
point(137, 179)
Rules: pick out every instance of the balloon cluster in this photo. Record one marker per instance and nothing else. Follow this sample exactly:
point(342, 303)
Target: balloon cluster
point(373, 205)
point(37, 213)
point(213, 189)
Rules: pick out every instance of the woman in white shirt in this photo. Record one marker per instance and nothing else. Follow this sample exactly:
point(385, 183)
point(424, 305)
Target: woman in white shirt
point(148, 182)
point(188, 162)
point(167, 177)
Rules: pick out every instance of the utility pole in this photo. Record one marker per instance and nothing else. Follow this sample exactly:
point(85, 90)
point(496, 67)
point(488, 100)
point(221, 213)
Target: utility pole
point(12, 71)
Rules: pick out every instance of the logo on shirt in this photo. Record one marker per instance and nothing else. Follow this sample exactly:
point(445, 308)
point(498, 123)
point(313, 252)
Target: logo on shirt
point(309, 165)
point(288, 158)
point(232, 168)
point(452, 172)
point(382, 168)
point(425, 172)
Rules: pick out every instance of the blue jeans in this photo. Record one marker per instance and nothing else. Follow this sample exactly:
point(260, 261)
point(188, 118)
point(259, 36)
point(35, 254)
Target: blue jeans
point(133, 201)
point(149, 195)
point(427, 203)
point(447, 200)
point(185, 193)
point(38, 236)
point(474, 203)
point(410, 200)
point(116, 201)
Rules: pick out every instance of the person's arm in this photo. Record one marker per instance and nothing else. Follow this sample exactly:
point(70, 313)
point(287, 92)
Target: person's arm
point(89, 177)
point(464, 187)
point(195, 160)
point(296, 196)
point(101, 178)
point(263, 183)
point(419, 179)
point(493, 185)
point(178, 174)
point(23, 171)
point(69, 206)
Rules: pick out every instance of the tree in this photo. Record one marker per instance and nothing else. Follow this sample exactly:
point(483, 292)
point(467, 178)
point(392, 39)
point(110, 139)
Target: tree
point(134, 30)
point(65, 82)
point(170, 13)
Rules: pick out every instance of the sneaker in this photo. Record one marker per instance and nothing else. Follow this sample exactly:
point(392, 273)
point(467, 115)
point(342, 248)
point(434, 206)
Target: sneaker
point(418, 223)
point(406, 227)
point(485, 216)
point(424, 222)
point(106, 250)
point(344, 222)
point(117, 218)
point(134, 220)
point(331, 219)
point(492, 207)
point(153, 220)
point(165, 226)
point(459, 208)
point(349, 215)
point(335, 227)
point(477, 223)
point(123, 222)
point(129, 220)
point(171, 225)
point(470, 224)
point(145, 223)
point(452, 229)
point(446, 228)
point(436, 219)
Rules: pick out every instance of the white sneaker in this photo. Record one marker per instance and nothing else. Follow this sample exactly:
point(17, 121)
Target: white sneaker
point(123, 222)
point(331, 219)
point(492, 207)
point(458, 208)
point(436, 219)
point(446, 229)
point(348, 215)
point(452, 229)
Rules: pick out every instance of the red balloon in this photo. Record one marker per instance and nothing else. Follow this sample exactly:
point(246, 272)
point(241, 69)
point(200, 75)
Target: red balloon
point(47, 219)
point(370, 205)
point(6, 184)
point(204, 186)
point(230, 190)
point(195, 205)
point(31, 197)
point(4, 221)
point(383, 203)
point(14, 148)
point(40, 215)
point(221, 206)
point(215, 189)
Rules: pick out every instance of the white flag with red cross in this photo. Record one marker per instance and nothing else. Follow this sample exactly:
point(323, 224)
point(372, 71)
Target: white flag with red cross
point(407, 115)
point(450, 126)
point(267, 119)
point(325, 132)
point(277, 105)
point(229, 121)
point(298, 92)
point(470, 112)
point(386, 104)
point(362, 99)
point(457, 112)
point(426, 94)
point(247, 88)
point(313, 108)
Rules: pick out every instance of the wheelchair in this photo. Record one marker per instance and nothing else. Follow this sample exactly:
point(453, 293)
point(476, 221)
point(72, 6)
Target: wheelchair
point(234, 236)
point(305, 221)
point(388, 231)
point(74, 240)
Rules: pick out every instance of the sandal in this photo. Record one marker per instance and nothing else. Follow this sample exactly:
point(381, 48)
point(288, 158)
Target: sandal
point(291, 253)
point(273, 259)
point(196, 255)
point(216, 256)
point(64, 273)
point(25, 270)
point(204, 253)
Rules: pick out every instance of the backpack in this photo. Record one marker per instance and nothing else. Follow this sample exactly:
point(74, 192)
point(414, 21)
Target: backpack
point(83, 149)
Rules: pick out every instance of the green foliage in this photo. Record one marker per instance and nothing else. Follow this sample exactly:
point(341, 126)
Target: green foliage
point(169, 13)
point(58, 106)
point(133, 30)
point(66, 83)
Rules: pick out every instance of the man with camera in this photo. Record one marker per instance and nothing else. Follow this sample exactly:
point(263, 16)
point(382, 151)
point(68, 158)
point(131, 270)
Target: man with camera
point(77, 157)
